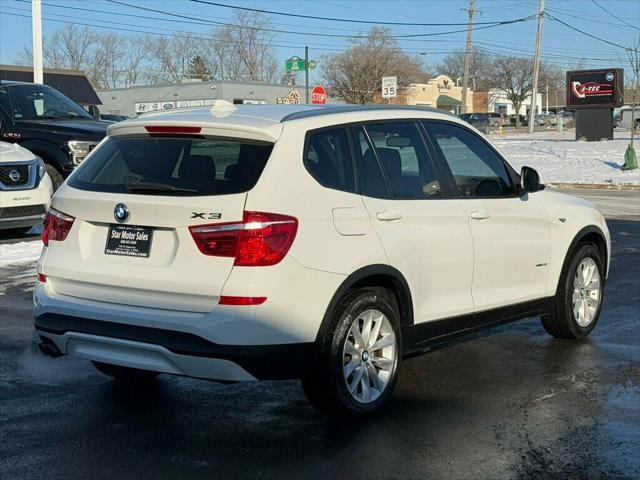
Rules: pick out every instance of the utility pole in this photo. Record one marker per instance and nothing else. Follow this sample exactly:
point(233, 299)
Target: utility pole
point(467, 56)
point(36, 27)
point(306, 74)
point(536, 69)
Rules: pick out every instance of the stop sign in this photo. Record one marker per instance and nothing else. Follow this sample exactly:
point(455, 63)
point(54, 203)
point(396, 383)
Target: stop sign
point(319, 95)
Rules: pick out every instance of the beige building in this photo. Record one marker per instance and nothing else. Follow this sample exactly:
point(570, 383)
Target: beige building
point(440, 92)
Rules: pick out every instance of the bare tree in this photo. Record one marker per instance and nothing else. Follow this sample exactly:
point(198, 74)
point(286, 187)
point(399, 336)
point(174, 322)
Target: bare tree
point(481, 68)
point(135, 60)
point(514, 76)
point(355, 75)
point(244, 50)
point(172, 55)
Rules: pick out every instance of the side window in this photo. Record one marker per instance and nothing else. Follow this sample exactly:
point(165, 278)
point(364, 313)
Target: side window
point(477, 170)
point(328, 159)
point(400, 152)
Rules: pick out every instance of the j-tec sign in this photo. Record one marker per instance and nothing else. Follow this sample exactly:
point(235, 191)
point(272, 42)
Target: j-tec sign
point(595, 88)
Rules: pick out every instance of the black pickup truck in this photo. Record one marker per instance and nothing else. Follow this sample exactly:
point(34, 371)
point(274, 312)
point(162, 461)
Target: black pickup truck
point(49, 124)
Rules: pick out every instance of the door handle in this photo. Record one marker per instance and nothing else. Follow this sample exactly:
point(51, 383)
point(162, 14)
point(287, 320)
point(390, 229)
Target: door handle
point(388, 215)
point(480, 214)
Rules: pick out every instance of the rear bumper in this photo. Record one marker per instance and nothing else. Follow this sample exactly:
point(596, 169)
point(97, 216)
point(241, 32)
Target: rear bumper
point(19, 222)
point(171, 351)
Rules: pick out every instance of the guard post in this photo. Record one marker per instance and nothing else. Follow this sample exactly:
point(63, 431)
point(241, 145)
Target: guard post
point(593, 94)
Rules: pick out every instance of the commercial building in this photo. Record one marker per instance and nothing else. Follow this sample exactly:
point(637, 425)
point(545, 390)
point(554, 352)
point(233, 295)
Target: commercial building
point(497, 101)
point(135, 100)
point(439, 92)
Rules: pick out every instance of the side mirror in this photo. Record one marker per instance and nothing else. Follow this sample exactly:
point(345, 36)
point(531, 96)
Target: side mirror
point(94, 111)
point(530, 180)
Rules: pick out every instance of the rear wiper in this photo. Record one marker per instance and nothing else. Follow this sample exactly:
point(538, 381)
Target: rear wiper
point(157, 187)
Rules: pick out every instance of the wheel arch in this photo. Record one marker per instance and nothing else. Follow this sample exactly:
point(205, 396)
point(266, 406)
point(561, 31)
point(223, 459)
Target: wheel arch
point(379, 275)
point(590, 234)
point(49, 153)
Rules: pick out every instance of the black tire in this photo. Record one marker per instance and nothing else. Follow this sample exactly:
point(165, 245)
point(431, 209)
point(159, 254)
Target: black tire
point(56, 177)
point(124, 373)
point(325, 386)
point(562, 322)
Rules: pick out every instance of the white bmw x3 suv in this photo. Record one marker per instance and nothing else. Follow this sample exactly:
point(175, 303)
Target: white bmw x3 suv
point(319, 243)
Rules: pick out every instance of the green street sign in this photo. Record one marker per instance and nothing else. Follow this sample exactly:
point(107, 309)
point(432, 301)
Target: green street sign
point(296, 64)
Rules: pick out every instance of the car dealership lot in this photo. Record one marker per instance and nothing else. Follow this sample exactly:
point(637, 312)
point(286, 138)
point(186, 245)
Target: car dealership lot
point(507, 403)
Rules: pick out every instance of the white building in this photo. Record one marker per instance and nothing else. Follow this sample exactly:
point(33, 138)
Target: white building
point(498, 102)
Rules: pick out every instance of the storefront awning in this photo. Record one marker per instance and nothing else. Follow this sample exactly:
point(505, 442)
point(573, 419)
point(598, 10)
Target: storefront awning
point(447, 101)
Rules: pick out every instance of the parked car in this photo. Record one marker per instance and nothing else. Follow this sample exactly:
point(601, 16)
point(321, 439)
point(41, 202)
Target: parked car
point(479, 120)
point(48, 124)
point(549, 118)
point(523, 121)
point(25, 190)
point(568, 118)
point(291, 241)
point(498, 119)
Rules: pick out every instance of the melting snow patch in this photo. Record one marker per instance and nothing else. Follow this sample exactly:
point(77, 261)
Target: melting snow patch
point(561, 159)
point(21, 252)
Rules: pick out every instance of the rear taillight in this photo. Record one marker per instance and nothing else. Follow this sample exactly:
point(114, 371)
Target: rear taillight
point(240, 301)
point(260, 240)
point(56, 226)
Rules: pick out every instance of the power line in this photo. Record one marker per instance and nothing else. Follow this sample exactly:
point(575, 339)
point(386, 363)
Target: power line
point(570, 13)
point(316, 46)
point(614, 16)
point(333, 19)
point(262, 29)
point(585, 33)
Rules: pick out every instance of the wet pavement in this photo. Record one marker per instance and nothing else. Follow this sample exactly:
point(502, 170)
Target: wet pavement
point(507, 403)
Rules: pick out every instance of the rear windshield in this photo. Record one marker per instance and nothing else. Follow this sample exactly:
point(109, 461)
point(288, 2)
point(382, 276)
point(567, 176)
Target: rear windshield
point(173, 166)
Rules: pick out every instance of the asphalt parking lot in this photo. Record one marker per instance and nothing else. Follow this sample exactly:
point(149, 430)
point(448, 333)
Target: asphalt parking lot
point(507, 403)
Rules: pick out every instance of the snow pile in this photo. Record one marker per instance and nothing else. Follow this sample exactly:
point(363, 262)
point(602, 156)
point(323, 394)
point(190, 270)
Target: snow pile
point(21, 252)
point(561, 159)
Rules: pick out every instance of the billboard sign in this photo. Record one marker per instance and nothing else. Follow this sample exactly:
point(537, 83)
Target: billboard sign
point(600, 88)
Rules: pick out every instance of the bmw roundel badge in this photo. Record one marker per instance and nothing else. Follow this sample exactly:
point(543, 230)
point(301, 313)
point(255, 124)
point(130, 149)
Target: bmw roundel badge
point(121, 212)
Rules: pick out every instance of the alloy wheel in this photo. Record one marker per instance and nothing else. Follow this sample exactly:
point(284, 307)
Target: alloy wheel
point(586, 292)
point(369, 356)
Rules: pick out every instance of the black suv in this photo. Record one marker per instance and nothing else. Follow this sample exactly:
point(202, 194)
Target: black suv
point(49, 124)
point(479, 120)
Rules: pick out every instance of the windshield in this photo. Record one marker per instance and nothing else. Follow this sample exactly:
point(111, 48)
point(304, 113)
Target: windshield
point(32, 102)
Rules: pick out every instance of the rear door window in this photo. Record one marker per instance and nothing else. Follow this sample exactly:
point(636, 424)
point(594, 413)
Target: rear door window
point(173, 166)
point(399, 150)
point(328, 159)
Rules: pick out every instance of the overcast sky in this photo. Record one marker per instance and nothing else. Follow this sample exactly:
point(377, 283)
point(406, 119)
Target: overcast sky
point(561, 44)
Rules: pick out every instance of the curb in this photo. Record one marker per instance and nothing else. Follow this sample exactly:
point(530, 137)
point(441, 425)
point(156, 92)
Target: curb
point(597, 186)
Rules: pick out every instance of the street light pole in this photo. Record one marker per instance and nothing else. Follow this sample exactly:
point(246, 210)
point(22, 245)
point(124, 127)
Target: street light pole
point(36, 26)
point(536, 69)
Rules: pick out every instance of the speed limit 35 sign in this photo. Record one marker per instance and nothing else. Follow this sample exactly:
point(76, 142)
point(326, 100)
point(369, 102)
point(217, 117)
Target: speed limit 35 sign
point(389, 87)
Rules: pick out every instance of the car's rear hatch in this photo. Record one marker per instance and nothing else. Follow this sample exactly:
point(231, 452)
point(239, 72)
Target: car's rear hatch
point(134, 187)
